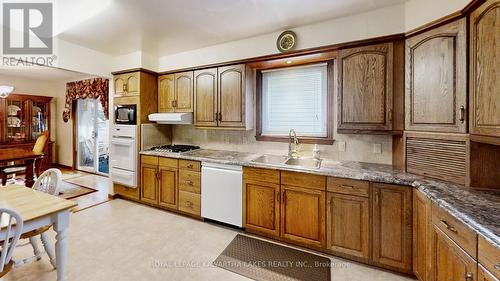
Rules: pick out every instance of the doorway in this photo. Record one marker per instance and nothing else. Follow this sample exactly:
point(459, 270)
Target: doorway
point(92, 137)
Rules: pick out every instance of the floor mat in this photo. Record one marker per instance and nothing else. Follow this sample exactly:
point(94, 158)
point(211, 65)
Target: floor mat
point(265, 261)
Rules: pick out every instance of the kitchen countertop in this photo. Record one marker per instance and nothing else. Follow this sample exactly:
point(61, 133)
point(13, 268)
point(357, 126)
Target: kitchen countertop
point(479, 209)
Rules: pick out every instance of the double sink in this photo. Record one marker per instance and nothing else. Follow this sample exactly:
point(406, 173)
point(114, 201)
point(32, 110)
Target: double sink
point(285, 160)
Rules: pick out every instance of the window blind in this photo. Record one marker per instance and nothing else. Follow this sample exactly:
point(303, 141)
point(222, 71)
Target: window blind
point(295, 98)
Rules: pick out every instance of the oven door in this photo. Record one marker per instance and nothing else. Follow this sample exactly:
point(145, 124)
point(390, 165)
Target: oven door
point(123, 153)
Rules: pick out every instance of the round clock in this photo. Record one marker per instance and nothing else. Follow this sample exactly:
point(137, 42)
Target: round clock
point(286, 41)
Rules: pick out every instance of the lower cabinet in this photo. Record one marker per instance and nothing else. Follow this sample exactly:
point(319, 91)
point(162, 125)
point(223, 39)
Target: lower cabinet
point(421, 229)
point(484, 275)
point(149, 183)
point(392, 226)
point(167, 183)
point(303, 215)
point(448, 261)
point(348, 225)
point(262, 212)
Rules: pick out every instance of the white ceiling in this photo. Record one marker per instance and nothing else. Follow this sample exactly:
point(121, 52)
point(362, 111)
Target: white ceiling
point(164, 27)
point(43, 73)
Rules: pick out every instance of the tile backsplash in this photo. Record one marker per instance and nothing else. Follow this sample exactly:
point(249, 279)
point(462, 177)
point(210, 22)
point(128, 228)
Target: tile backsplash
point(357, 147)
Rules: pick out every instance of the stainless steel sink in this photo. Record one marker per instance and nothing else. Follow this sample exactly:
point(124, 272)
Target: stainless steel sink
point(271, 159)
point(304, 162)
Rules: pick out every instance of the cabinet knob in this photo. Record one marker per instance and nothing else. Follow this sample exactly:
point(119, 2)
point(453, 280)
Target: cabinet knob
point(190, 166)
point(469, 276)
point(497, 265)
point(449, 226)
point(190, 182)
point(462, 114)
point(189, 204)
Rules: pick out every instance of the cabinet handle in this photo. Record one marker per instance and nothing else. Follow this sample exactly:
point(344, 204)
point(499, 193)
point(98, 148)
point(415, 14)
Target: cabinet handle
point(390, 115)
point(220, 116)
point(124, 88)
point(376, 197)
point(468, 276)
point(348, 186)
point(173, 103)
point(497, 265)
point(283, 197)
point(190, 182)
point(190, 166)
point(278, 196)
point(449, 226)
point(158, 175)
point(189, 204)
point(462, 113)
point(216, 116)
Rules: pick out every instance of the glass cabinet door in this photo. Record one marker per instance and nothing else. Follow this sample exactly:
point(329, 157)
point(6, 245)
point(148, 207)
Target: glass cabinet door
point(39, 119)
point(16, 121)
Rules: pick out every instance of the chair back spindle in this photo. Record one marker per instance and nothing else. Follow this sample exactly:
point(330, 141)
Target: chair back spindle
point(10, 236)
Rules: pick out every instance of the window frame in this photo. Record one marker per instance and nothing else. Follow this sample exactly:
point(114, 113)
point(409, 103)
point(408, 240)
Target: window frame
point(327, 58)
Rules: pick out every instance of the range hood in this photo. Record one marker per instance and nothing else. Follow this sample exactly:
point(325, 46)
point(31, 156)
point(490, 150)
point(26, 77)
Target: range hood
point(171, 118)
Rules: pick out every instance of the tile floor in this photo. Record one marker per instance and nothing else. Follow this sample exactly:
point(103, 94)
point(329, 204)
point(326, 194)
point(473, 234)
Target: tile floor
point(121, 240)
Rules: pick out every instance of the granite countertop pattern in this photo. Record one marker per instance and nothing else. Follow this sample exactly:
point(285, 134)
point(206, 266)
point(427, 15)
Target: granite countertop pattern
point(478, 208)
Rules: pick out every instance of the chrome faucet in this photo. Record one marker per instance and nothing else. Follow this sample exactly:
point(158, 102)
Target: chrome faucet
point(292, 153)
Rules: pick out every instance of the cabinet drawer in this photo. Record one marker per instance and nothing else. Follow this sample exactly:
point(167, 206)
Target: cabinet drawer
point(461, 234)
point(303, 180)
point(190, 165)
point(148, 159)
point(168, 162)
point(348, 186)
point(262, 175)
point(489, 256)
point(189, 202)
point(189, 181)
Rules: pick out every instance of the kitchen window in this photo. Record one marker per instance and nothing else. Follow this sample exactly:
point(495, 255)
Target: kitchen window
point(295, 98)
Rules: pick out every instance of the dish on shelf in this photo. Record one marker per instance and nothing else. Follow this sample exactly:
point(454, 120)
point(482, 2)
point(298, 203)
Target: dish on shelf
point(35, 121)
point(36, 109)
point(13, 122)
point(13, 109)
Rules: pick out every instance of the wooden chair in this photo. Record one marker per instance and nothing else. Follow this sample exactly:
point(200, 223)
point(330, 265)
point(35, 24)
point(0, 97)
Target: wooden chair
point(8, 245)
point(39, 147)
point(49, 182)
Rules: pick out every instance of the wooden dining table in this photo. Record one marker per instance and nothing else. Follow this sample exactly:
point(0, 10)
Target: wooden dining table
point(39, 209)
point(19, 154)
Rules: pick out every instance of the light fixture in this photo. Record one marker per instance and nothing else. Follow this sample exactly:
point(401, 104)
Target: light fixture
point(288, 62)
point(5, 91)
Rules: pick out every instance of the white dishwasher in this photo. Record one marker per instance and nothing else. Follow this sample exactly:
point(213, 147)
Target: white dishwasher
point(222, 193)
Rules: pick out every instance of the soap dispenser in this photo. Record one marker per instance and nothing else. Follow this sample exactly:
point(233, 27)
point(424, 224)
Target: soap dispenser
point(315, 152)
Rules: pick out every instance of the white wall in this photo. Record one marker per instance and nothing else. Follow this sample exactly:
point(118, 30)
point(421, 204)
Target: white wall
point(421, 12)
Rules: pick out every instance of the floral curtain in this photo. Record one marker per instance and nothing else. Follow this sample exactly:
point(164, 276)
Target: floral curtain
point(97, 88)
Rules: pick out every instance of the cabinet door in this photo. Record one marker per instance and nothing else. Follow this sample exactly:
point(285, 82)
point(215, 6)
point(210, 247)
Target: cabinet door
point(132, 82)
point(484, 61)
point(205, 97)
point(119, 84)
point(392, 226)
point(484, 275)
point(262, 201)
point(303, 215)
point(231, 83)
point(166, 93)
point(149, 183)
point(167, 187)
point(421, 229)
point(436, 79)
point(184, 92)
point(448, 261)
point(348, 225)
point(365, 88)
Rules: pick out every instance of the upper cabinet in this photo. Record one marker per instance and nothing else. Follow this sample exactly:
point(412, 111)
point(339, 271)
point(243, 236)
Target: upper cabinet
point(366, 88)
point(127, 84)
point(166, 93)
point(484, 61)
point(436, 79)
point(175, 92)
point(223, 97)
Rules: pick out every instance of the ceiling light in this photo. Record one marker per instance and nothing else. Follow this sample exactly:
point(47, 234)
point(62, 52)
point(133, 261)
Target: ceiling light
point(288, 62)
point(5, 91)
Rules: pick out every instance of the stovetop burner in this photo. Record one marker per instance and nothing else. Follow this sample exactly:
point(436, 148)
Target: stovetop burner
point(176, 148)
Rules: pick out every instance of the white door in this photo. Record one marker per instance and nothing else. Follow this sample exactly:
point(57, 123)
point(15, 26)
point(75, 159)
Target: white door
point(92, 137)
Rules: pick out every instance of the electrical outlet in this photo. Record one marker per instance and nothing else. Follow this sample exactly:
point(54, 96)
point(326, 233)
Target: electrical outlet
point(341, 146)
point(377, 148)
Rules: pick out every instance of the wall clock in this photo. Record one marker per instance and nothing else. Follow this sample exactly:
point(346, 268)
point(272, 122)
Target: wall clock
point(286, 41)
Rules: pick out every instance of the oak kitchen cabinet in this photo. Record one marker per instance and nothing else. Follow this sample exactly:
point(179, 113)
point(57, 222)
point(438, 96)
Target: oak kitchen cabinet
point(223, 97)
point(392, 226)
point(421, 230)
point(488, 257)
point(127, 84)
point(175, 92)
point(368, 82)
point(484, 57)
point(262, 201)
point(159, 181)
point(190, 187)
point(453, 248)
point(436, 79)
point(348, 218)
